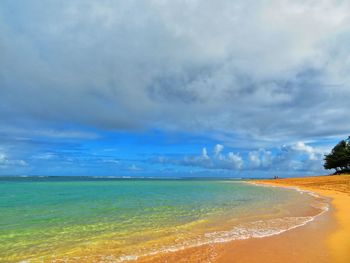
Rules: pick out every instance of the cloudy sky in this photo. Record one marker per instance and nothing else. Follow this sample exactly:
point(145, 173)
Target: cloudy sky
point(172, 88)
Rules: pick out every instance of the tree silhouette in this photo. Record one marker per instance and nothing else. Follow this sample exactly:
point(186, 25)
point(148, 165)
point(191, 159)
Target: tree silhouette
point(339, 158)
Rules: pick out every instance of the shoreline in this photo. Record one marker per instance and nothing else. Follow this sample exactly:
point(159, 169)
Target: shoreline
point(337, 188)
point(326, 238)
point(317, 236)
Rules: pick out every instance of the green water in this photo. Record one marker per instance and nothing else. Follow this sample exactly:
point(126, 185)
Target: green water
point(55, 217)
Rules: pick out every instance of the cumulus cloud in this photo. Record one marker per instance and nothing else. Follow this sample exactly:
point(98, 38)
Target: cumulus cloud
point(236, 160)
point(298, 157)
point(205, 153)
point(312, 153)
point(271, 70)
point(229, 161)
point(218, 149)
point(5, 161)
point(295, 157)
point(260, 159)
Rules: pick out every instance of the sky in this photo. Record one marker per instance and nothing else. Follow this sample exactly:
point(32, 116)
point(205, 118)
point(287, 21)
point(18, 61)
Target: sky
point(225, 88)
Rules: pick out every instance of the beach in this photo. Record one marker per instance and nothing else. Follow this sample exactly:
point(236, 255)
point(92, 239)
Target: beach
point(325, 239)
point(336, 187)
point(83, 219)
point(117, 220)
point(187, 131)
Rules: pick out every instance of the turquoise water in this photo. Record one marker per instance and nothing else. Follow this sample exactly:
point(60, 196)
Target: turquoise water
point(117, 219)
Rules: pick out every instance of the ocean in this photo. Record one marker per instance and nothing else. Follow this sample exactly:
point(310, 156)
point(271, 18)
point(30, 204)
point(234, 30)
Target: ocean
point(115, 220)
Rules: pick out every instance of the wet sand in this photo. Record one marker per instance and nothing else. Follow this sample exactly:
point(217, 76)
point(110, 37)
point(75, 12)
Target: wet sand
point(325, 239)
point(336, 187)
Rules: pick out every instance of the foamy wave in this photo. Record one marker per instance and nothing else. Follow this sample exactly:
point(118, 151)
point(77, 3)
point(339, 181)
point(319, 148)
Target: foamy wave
point(256, 229)
point(259, 229)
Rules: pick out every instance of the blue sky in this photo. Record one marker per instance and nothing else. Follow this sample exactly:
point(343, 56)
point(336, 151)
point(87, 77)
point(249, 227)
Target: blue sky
point(172, 88)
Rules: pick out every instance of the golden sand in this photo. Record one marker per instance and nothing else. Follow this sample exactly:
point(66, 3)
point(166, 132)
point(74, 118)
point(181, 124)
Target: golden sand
point(337, 187)
point(326, 239)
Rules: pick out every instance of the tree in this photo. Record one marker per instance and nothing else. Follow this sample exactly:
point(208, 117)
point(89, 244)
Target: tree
point(339, 158)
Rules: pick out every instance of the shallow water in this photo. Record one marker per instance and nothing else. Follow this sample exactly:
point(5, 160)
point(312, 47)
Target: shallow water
point(43, 219)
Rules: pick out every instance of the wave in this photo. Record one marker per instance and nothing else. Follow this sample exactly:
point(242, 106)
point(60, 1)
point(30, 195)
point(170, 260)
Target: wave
point(256, 229)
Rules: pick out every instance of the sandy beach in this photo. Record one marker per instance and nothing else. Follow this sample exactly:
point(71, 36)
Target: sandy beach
point(338, 189)
point(325, 239)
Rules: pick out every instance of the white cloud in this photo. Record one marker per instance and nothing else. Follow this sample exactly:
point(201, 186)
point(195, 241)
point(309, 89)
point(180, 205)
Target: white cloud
point(254, 159)
point(5, 161)
point(218, 161)
point(205, 153)
point(236, 160)
point(312, 153)
point(218, 149)
point(260, 159)
point(270, 70)
point(298, 157)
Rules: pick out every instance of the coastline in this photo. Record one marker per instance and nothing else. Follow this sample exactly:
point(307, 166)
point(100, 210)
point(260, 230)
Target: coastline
point(312, 227)
point(324, 239)
point(337, 188)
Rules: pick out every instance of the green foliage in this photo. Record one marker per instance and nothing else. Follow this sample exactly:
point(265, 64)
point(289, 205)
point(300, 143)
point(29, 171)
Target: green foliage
point(339, 158)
